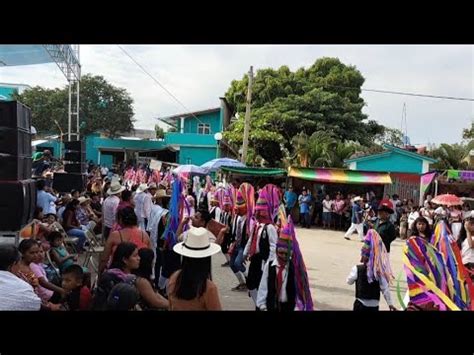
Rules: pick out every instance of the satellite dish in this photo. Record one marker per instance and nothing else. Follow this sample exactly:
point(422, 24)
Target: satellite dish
point(218, 136)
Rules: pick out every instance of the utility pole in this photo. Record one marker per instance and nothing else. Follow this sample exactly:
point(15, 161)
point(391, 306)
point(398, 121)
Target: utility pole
point(247, 117)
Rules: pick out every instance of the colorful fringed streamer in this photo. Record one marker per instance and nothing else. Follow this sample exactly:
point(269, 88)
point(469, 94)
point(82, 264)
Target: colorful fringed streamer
point(248, 193)
point(177, 204)
point(427, 276)
point(304, 300)
point(457, 283)
point(273, 196)
point(379, 263)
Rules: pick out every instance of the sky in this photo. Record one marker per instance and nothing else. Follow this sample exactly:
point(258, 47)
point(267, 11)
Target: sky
point(199, 74)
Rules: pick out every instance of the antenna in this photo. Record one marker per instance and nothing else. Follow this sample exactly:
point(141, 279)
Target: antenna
point(404, 125)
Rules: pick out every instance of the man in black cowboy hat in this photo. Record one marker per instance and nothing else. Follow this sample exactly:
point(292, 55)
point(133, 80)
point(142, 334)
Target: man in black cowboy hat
point(383, 226)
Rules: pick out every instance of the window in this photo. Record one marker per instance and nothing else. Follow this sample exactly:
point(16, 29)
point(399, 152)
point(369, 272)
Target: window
point(204, 128)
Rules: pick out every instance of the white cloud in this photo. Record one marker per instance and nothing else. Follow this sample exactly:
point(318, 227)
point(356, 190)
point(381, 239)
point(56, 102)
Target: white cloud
point(198, 75)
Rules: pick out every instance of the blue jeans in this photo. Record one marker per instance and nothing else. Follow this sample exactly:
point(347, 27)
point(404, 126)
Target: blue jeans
point(80, 234)
point(237, 260)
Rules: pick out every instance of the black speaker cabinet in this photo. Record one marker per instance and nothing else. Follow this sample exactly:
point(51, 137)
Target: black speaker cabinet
point(75, 168)
point(17, 204)
point(73, 156)
point(77, 146)
point(14, 167)
point(14, 114)
point(15, 141)
point(68, 182)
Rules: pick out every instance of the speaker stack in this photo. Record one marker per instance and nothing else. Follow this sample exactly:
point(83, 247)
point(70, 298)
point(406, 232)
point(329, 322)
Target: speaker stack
point(17, 189)
point(74, 166)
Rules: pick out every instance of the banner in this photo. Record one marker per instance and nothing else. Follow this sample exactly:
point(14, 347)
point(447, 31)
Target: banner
point(155, 164)
point(425, 181)
point(461, 174)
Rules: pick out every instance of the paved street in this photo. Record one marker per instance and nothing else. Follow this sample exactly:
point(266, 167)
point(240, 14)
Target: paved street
point(329, 259)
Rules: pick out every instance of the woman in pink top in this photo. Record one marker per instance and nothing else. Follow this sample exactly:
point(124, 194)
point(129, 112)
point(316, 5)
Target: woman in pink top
point(129, 233)
point(338, 208)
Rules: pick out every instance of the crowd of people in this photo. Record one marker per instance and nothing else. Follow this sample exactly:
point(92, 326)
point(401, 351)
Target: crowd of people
point(337, 211)
point(158, 233)
point(157, 240)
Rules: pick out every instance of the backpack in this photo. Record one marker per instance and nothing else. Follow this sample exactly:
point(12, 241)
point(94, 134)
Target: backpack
point(106, 283)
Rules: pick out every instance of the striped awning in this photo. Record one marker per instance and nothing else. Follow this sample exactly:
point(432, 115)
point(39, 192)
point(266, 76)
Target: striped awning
point(340, 176)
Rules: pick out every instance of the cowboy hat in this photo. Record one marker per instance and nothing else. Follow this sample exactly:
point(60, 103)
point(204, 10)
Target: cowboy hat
point(152, 186)
point(115, 188)
point(357, 199)
point(142, 187)
point(385, 205)
point(197, 244)
point(83, 199)
point(161, 193)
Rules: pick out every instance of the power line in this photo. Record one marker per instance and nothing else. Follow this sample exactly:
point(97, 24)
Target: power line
point(161, 85)
point(403, 93)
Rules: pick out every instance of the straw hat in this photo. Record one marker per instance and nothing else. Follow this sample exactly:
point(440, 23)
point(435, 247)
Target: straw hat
point(83, 199)
point(197, 244)
point(152, 186)
point(142, 187)
point(161, 193)
point(357, 199)
point(115, 188)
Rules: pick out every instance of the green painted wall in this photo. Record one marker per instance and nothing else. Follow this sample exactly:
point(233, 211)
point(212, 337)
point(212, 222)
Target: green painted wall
point(213, 119)
point(396, 163)
point(196, 155)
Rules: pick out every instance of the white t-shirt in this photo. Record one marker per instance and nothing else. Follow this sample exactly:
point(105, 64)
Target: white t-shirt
point(412, 218)
point(16, 294)
point(327, 205)
point(467, 252)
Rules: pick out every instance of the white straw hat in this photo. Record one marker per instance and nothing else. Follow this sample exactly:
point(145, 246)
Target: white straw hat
point(115, 188)
point(142, 188)
point(197, 244)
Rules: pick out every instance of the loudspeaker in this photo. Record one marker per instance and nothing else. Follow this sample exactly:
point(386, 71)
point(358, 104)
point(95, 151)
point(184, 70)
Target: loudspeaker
point(17, 204)
point(13, 167)
point(14, 114)
point(77, 146)
point(68, 182)
point(15, 141)
point(75, 168)
point(74, 156)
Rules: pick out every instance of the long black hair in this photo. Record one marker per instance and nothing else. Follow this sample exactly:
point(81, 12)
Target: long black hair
point(146, 263)
point(72, 205)
point(428, 231)
point(126, 195)
point(127, 216)
point(124, 251)
point(463, 233)
point(192, 279)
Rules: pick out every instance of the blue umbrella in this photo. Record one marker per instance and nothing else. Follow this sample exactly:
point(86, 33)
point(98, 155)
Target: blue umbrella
point(215, 164)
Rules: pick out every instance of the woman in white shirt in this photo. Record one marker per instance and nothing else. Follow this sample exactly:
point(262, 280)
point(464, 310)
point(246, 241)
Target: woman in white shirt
point(466, 244)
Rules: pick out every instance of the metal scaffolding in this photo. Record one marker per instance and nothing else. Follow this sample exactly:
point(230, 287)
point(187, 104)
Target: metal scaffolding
point(67, 58)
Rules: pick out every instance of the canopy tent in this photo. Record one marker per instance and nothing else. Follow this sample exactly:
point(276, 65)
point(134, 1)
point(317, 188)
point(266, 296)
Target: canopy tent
point(253, 171)
point(340, 176)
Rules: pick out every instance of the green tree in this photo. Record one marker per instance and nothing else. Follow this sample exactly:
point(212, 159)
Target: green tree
point(103, 107)
point(450, 156)
point(323, 97)
point(468, 133)
point(390, 136)
point(160, 132)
